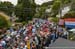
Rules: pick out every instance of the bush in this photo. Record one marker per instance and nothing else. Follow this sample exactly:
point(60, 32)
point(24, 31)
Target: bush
point(55, 19)
point(4, 21)
point(72, 36)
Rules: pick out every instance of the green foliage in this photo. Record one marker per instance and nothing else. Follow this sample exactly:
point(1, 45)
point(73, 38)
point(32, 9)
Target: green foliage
point(64, 1)
point(42, 9)
point(6, 7)
point(4, 22)
point(73, 5)
point(56, 7)
point(25, 10)
point(67, 1)
point(70, 14)
point(55, 19)
point(71, 36)
point(47, 4)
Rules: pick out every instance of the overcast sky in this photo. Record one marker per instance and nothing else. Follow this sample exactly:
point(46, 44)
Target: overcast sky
point(37, 1)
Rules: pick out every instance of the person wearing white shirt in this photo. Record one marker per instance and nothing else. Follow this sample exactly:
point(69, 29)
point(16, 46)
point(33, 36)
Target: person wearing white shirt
point(65, 33)
point(3, 43)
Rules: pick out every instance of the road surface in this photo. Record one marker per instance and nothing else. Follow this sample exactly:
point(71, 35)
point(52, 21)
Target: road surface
point(61, 43)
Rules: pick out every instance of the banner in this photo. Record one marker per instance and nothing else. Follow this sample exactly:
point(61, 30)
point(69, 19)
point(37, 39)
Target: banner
point(70, 23)
point(61, 22)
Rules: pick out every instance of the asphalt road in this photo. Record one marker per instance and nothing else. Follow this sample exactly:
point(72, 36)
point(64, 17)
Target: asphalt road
point(61, 43)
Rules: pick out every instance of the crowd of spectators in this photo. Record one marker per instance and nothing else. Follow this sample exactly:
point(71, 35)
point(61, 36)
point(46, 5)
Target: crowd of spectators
point(37, 35)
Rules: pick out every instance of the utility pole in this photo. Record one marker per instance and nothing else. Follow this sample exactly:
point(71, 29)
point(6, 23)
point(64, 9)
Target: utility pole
point(60, 11)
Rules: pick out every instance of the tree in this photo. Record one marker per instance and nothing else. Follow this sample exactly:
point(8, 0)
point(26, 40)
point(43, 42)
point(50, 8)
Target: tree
point(41, 9)
point(7, 7)
point(73, 5)
point(58, 5)
point(25, 10)
point(70, 14)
